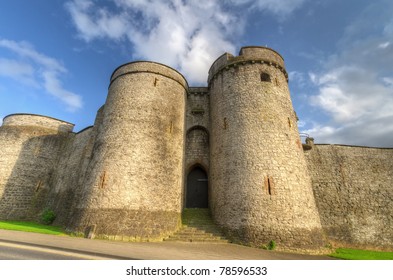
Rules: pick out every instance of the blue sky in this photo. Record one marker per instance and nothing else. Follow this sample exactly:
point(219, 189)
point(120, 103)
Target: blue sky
point(56, 57)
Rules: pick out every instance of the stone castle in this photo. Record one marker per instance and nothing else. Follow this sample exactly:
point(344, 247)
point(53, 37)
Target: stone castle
point(158, 146)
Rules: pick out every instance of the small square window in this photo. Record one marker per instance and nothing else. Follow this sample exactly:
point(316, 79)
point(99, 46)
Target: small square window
point(265, 77)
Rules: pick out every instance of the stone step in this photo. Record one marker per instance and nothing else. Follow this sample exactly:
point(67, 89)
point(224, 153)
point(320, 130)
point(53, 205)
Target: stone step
point(198, 226)
point(201, 235)
point(201, 232)
point(216, 240)
point(207, 223)
point(197, 235)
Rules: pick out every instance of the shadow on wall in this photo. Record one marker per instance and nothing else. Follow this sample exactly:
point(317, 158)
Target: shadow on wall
point(28, 159)
point(197, 147)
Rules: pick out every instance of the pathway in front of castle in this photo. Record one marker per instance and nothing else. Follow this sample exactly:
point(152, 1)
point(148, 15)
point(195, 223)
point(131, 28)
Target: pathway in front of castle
point(149, 250)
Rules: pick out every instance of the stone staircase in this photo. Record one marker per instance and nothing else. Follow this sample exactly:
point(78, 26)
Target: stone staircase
point(198, 226)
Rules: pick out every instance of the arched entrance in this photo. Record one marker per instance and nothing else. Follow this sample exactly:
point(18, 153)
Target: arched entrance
point(197, 188)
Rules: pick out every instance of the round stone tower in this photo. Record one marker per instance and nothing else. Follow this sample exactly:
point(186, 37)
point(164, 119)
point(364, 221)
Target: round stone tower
point(261, 190)
point(133, 186)
point(30, 149)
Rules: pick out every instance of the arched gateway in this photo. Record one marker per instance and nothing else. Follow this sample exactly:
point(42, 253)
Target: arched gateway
point(197, 188)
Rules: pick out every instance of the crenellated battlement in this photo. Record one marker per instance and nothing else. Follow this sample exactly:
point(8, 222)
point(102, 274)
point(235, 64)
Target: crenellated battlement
point(33, 120)
point(248, 55)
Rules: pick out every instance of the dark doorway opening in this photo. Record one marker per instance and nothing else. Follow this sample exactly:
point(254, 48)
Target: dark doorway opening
point(197, 189)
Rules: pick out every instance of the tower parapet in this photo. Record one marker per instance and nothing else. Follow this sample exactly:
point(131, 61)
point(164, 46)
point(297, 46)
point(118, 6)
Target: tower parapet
point(149, 67)
point(248, 55)
point(40, 121)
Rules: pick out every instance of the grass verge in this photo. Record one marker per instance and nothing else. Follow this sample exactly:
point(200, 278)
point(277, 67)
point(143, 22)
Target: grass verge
point(352, 254)
point(31, 227)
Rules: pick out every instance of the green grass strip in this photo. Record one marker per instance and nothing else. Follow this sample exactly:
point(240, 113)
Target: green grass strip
point(352, 254)
point(31, 227)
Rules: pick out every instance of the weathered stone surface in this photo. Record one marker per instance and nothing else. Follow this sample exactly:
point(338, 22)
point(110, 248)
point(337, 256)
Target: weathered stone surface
point(38, 121)
point(68, 178)
point(137, 163)
point(353, 188)
point(197, 125)
point(136, 225)
point(261, 189)
point(31, 147)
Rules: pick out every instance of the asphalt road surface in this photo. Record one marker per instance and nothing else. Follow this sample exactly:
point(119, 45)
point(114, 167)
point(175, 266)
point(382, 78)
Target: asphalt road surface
point(27, 246)
point(9, 251)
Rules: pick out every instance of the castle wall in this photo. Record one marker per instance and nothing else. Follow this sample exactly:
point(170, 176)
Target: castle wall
point(353, 188)
point(134, 181)
point(197, 148)
point(38, 121)
point(68, 178)
point(198, 108)
point(197, 127)
point(31, 145)
point(261, 189)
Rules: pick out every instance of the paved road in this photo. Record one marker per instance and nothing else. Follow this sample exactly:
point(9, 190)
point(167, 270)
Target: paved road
point(98, 249)
point(11, 251)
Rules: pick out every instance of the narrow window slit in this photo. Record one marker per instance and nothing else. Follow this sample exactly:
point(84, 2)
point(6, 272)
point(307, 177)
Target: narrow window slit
point(103, 179)
point(269, 187)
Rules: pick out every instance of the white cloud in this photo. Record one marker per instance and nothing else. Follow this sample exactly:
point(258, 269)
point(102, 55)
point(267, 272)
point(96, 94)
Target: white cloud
point(18, 70)
point(174, 33)
point(323, 133)
point(99, 24)
point(375, 133)
point(388, 81)
point(297, 77)
point(26, 50)
point(53, 85)
point(301, 124)
point(384, 45)
point(188, 35)
point(281, 8)
point(355, 90)
point(332, 99)
point(359, 104)
point(37, 70)
point(313, 77)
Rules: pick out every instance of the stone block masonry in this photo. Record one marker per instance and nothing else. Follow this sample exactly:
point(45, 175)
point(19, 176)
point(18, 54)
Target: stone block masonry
point(124, 178)
point(31, 146)
point(353, 188)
